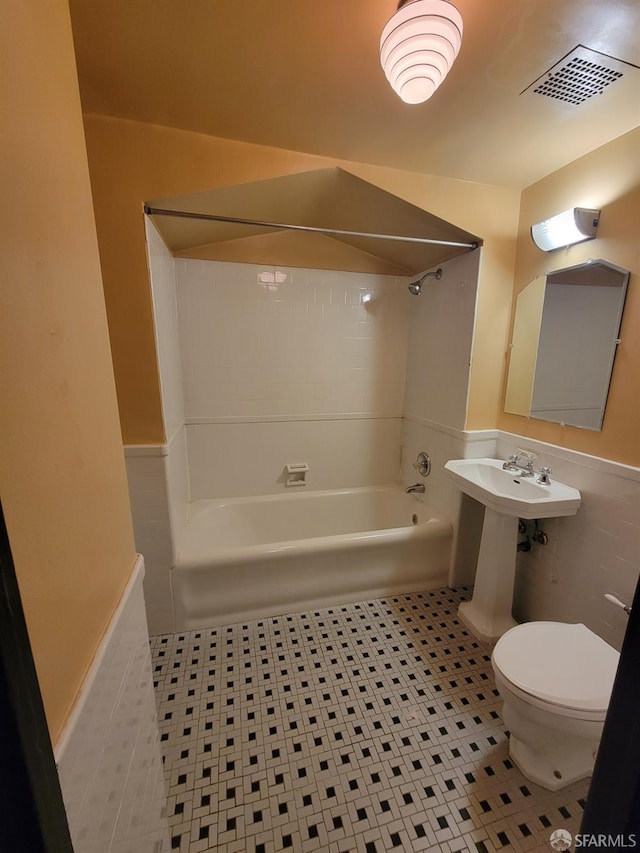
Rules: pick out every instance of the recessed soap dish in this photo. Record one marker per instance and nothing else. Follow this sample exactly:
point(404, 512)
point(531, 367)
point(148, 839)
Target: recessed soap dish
point(296, 474)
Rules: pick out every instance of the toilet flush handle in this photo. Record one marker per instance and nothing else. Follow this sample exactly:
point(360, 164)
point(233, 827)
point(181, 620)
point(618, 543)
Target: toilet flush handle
point(618, 603)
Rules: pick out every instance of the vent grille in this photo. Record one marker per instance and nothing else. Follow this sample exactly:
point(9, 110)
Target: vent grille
point(578, 76)
point(577, 80)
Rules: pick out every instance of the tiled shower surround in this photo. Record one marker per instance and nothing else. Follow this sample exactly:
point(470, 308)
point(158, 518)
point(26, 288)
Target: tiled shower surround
point(366, 727)
point(264, 342)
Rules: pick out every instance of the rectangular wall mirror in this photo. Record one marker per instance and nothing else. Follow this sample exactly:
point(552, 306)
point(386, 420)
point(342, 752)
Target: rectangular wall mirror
point(565, 336)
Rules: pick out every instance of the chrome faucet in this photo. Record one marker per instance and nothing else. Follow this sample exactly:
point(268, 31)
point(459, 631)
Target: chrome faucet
point(545, 479)
point(522, 462)
point(511, 464)
point(527, 468)
point(417, 487)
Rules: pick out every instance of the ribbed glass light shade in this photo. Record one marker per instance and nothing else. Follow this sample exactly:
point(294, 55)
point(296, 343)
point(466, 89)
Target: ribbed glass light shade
point(418, 47)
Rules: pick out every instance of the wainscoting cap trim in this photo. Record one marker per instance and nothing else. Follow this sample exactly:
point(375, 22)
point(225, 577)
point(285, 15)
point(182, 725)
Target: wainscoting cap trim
point(466, 435)
point(136, 577)
point(480, 435)
point(619, 469)
point(146, 449)
point(270, 419)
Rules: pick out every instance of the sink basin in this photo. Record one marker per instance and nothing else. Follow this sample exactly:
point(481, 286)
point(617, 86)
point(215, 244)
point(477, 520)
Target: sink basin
point(509, 493)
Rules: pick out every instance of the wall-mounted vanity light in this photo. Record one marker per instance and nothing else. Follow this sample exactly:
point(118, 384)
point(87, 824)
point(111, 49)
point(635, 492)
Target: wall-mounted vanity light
point(566, 228)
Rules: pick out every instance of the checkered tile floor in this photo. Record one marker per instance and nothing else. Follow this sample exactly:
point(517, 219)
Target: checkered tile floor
point(364, 727)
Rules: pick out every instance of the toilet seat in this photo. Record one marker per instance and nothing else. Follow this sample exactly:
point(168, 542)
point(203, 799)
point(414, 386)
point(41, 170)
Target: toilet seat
point(561, 665)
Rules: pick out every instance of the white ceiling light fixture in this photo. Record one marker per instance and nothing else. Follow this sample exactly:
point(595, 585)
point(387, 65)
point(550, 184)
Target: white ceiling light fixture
point(566, 228)
point(418, 46)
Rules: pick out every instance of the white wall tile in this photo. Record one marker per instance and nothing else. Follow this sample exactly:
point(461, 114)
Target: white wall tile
point(247, 345)
point(442, 444)
point(440, 339)
point(298, 345)
point(589, 554)
point(163, 288)
point(240, 459)
point(108, 757)
point(435, 400)
point(152, 527)
point(177, 479)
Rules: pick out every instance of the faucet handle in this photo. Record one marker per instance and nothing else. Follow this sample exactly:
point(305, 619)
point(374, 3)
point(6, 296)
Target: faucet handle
point(511, 462)
point(545, 476)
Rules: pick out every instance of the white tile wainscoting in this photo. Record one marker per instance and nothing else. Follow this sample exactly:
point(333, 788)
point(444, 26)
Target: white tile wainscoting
point(108, 755)
point(442, 443)
point(148, 475)
point(594, 552)
point(597, 551)
point(589, 554)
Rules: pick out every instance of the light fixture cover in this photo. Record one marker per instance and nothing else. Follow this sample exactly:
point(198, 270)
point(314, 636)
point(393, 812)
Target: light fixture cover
point(566, 228)
point(418, 47)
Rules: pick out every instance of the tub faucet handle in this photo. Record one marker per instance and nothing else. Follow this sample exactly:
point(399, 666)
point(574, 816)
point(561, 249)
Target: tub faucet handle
point(423, 464)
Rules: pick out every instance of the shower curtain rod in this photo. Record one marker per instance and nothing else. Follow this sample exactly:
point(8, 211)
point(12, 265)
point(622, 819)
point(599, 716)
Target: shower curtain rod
point(210, 217)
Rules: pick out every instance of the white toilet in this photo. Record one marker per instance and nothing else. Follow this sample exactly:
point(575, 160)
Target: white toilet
point(555, 680)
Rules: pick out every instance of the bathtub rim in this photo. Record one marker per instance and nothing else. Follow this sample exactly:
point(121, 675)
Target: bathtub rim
point(195, 507)
point(267, 551)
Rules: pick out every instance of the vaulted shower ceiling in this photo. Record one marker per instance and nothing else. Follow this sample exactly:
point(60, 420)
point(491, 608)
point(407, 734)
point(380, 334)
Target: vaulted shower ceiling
point(323, 199)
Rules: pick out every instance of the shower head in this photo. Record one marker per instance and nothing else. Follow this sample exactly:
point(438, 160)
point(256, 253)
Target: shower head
point(416, 286)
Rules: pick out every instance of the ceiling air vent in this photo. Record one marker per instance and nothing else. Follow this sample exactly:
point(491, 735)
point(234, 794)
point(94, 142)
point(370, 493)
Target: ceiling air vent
point(578, 76)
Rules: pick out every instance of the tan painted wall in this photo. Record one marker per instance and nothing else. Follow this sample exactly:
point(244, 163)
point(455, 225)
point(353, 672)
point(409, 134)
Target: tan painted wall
point(62, 476)
point(132, 162)
point(609, 179)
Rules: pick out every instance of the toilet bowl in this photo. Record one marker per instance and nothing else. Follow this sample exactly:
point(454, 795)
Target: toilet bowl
point(555, 681)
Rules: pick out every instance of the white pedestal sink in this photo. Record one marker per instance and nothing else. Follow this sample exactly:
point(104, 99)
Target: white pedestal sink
point(507, 496)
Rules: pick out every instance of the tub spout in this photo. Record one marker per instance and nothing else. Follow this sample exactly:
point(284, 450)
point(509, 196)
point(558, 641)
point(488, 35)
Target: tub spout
point(417, 487)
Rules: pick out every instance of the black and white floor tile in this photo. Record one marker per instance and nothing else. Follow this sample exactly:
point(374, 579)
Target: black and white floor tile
point(365, 727)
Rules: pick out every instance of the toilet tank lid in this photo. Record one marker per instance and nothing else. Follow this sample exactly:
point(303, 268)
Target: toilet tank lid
point(565, 665)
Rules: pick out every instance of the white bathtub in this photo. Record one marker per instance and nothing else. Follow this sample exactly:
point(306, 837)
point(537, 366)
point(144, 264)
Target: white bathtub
point(246, 558)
